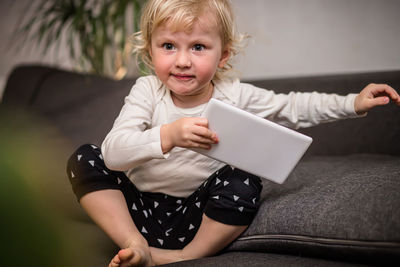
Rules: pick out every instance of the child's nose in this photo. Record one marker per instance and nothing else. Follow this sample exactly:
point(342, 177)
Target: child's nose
point(183, 60)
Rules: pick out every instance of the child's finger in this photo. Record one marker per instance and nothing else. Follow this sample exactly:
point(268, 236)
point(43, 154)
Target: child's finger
point(203, 140)
point(194, 144)
point(379, 89)
point(394, 96)
point(201, 122)
point(379, 101)
point(206, 134)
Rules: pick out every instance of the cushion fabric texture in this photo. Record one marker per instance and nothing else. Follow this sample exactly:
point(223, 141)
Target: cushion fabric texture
point(253, 259)
point(335, 207)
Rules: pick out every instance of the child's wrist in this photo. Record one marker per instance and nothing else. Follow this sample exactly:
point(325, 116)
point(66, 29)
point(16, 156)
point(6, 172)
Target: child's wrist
point(357, 108)
point(166, 141)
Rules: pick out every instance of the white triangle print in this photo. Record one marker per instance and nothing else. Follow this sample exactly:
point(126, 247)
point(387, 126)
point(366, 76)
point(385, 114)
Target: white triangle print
point(254, 200)
point(235, 197)
point(226, 183)
point(145, 213)
point(141, 201)
point(106, 173)
point(178, 209)
point(217, 181)
point(198, 204)
point(184, 210)
point(79, 157)
point(91, 162)
point(215, 197)
point(93, 146)
point(155, 204)
point(168, 214)
point(119, 180)
point(72, 175)
point(101, 157)
point(241, 209)
point(159, 221)
point(160, 241)
point(167, 232)
point(191, 226)
point(134, 206)
point(247, 181)
point(151, 213)
point(144, 230)
point(182, 239)
point(179, 201)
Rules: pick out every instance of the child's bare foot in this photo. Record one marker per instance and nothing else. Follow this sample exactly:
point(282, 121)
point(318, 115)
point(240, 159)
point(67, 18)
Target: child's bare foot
point(164, 256)
point(132, 256)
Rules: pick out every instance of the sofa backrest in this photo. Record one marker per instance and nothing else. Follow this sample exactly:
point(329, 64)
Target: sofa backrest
point(378, 132)
point(84, 107)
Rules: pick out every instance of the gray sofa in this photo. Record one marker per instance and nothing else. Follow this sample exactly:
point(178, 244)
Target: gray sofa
point(340, 206)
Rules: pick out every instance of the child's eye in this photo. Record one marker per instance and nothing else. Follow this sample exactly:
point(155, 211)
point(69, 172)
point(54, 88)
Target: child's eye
point(198, 47)
point(168, 46)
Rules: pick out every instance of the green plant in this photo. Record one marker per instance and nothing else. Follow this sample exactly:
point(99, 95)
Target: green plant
point(96, 31)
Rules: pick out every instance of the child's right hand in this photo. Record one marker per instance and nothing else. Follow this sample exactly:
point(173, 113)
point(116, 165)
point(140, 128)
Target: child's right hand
point(187, 133)
point(375, 95)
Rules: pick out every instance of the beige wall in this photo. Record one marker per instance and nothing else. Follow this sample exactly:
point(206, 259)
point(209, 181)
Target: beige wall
point(312, 37)
point(289, 37)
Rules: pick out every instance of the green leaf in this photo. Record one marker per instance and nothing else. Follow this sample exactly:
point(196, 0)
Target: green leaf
point(89, 33)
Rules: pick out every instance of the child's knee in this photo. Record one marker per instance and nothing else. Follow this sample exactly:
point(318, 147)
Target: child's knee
point(87, 150)
point(87, 172)
point(243, 184)
point(236, 186)
point(247, 186)
point(86, 158)
point(233, 196)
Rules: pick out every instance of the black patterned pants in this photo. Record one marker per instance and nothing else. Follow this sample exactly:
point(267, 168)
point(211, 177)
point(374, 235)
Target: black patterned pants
point(229, 196)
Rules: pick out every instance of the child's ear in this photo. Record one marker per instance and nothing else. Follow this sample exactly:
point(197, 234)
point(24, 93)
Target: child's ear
point(226, 53)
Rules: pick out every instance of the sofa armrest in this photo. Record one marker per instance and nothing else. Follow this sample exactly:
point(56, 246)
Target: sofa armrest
point(24, 84)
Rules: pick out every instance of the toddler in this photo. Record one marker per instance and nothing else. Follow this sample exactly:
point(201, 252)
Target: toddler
point(159, 201)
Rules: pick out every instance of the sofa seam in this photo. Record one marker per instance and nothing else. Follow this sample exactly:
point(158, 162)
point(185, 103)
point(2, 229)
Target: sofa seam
point(326, 241)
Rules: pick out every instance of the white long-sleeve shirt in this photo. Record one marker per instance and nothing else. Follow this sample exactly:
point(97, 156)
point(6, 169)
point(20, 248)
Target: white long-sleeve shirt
point(133, 145)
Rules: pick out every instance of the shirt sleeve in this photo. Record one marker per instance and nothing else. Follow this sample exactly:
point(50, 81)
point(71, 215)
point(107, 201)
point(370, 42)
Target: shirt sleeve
point(132, 139)
point(297, 109)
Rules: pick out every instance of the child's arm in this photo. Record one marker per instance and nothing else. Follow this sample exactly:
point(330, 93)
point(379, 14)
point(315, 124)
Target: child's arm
point(188, 133)
point(375, 95)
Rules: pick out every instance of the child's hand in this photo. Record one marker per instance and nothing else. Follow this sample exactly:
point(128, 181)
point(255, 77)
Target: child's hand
point(188, 133)
point(375, 95)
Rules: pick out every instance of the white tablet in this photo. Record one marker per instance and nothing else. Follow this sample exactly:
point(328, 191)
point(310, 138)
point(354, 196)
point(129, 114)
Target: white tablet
point(252, 143)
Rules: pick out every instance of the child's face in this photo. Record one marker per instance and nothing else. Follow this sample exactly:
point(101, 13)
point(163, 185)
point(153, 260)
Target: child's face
point(186, 61)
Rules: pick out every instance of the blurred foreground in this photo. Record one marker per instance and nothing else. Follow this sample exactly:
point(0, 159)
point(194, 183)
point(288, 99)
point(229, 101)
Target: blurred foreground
point(33, 228)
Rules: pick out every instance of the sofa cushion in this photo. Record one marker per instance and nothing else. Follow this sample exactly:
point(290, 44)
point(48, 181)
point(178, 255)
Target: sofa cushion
point(344, 207)
point(254, 259)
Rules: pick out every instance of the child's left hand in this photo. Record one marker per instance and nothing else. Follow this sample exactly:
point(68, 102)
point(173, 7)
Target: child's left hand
point(375, 95)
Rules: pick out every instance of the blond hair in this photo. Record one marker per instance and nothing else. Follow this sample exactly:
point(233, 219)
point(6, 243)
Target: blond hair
point(181, 15)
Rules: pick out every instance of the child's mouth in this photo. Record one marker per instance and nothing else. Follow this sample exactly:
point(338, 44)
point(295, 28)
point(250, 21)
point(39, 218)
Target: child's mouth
point(183, 77)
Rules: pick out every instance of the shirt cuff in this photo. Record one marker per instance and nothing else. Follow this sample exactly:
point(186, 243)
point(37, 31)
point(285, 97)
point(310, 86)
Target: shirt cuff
point(349, 106)
point(156, 145)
